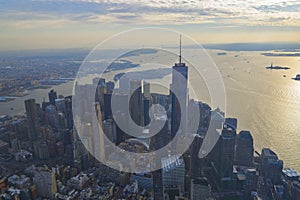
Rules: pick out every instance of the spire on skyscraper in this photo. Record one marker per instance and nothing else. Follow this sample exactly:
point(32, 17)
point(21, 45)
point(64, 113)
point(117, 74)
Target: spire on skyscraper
point(180, 51)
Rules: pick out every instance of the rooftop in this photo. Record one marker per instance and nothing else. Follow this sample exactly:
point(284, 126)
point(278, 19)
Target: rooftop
point(290, 172)
point(266, 152)
point(245, 135)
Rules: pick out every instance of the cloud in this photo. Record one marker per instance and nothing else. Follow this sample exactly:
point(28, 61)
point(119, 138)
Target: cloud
point(55, 13)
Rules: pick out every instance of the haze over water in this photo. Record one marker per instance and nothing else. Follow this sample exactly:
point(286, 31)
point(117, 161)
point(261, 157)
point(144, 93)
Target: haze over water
point(264, 101)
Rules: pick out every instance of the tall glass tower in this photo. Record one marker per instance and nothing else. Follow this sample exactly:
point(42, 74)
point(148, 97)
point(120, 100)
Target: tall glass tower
point(179, 96)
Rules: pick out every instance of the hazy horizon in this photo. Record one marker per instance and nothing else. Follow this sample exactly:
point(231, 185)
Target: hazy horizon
point(245, 46)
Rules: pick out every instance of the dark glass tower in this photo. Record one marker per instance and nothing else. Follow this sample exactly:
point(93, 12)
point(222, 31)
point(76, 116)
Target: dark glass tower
point(139, 102)
point(179, 96)
point(223, 155)
point(226, 158)
point(136, 102)
point(244, 149)
point(52, 96)
point(107, 106)
point(157, 185)
point(69, 112)
point(33, 120)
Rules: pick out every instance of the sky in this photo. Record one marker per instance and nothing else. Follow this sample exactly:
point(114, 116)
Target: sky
point(44, 24)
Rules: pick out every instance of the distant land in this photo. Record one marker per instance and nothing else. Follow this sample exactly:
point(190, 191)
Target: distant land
point(45, 53)
point(288, 50)
point(83, 52)
point(139, 52)
point(254, 46)
point(146, 74)
point(282, 54)
point(121, 64)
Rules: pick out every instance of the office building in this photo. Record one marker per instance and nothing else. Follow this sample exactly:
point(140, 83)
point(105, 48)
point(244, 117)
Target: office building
point(60, 105)
point(223, 159)
point(295, 190)
point(271, 167)
point(226, 156)
point(244, 150)
point(200, 189)
point(136, 102)
point(173, 173)
point(32, 117)
point(52, 96)
point(179, 96)
point(45, 182)
point(110, 87)
point(110, 130)
point(157, 185)
point(100, 91)
point(107, 106)
point(69, 112)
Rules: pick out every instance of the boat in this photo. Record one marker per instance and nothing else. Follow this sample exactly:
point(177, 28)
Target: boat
point(277, 67)
point(297, 77)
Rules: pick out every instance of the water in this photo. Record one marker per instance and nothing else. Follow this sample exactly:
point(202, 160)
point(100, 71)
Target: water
point(39, 95)
point(264, 101)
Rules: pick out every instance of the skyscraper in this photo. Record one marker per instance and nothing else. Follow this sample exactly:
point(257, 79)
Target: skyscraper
point(110, 87)
point(60, 105)
point(200, 189)
point(45, 182)
point(139, 102)
point(266, 154)
point(227, 152)
point(69, 113)
point(160, 139)
point(173, 175)
point(146, 102)
point(107, 106)
point(271, 167)
point(157, 185)
point(32, 117)
point(244, 149)
point(179, 96)
point(135, 102)
point(52, 96)
point(110, 130)
point(224, 159)
point(100, 91)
